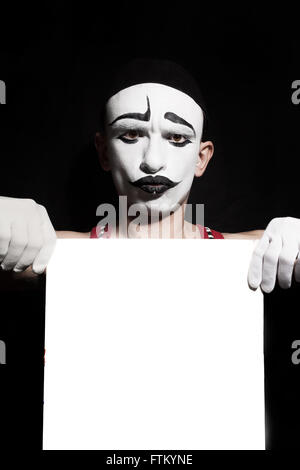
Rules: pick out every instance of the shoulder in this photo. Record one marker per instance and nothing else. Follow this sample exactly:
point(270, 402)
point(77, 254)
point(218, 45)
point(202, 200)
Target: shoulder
point(250, 235)
point(69, 234)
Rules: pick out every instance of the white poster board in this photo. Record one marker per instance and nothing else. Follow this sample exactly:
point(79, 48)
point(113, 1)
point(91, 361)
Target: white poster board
point(153, 344)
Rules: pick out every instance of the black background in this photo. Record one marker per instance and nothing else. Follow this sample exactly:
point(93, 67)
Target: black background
point(55, 59)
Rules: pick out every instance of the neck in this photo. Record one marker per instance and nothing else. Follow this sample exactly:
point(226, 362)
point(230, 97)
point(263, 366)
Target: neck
point(171, 226)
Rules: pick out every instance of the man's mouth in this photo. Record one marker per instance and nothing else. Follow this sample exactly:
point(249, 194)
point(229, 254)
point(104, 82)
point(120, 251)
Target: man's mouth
point(154, 184)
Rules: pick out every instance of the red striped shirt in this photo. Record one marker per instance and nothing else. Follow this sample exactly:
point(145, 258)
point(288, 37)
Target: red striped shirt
point(101, 231)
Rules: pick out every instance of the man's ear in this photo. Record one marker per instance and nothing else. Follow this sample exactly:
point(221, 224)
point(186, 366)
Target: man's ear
point(101, 147)
point(206, 151)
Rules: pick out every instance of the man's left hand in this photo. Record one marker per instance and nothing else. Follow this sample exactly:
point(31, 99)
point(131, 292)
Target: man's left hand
point(276, 255)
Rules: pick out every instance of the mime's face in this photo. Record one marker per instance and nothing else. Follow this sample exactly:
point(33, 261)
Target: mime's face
point(153, 140)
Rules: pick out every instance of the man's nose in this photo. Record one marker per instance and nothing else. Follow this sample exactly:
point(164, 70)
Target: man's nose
point(153, 159)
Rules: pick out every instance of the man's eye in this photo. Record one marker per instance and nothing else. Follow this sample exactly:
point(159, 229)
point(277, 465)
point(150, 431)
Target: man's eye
point(178, 139)
point(129, 136)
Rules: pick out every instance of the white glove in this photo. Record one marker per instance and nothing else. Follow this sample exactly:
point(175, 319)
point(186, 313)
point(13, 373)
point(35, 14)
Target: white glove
point(276, 255)
point(27, 236)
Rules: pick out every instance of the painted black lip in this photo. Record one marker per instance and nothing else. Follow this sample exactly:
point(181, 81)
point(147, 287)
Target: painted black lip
point(154, 184)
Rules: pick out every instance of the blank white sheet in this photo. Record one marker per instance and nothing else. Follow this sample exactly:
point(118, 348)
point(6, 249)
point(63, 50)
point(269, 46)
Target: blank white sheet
point(153, 344)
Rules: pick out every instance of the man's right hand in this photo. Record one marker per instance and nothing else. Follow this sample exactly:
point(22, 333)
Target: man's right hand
point(27, 236)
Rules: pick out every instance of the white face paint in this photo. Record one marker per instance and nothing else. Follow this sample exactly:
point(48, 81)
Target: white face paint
point(153, 131)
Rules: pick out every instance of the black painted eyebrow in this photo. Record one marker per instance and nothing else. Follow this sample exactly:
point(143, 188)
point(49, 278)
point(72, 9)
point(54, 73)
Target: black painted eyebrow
point(139, 116)
point(178, 120)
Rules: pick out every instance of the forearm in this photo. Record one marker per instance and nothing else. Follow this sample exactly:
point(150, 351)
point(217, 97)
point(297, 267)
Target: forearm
point(12, 281)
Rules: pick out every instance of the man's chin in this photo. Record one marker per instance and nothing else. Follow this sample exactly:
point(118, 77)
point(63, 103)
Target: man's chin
point(155, 208)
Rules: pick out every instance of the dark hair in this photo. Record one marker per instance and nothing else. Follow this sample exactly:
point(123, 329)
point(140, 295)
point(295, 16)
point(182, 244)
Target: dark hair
point(147, 70)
